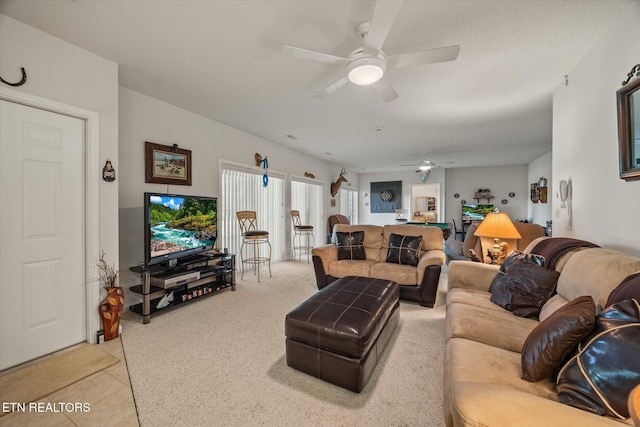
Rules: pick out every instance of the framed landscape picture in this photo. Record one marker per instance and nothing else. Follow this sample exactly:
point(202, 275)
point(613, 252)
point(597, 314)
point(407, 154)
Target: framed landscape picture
point(166, 164)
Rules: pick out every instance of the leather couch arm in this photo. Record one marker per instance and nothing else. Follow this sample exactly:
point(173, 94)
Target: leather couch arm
point(471, 275)
point(322, 257)
point(432, 257)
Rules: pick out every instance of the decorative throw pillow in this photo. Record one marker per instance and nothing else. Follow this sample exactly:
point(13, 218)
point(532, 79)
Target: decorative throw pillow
point(525, 288)
point(404, 249)
point(628, 288)
point(511, 258)
point(350, 245)
point(552, 341)
point(600, 377)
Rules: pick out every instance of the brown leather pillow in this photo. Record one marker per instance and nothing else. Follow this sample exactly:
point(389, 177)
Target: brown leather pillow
point(525, 288)
point(350, 245)
point(511, 258)
point(554, 339)
point(404, 249)
point(606, 368)
point(628, 288)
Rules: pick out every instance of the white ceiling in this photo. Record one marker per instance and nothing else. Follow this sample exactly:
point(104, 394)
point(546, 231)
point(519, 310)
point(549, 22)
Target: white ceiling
point(224, 60)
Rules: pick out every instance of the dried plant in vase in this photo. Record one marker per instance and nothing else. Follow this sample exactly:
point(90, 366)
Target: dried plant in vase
point(109, 276)
point(110, 308)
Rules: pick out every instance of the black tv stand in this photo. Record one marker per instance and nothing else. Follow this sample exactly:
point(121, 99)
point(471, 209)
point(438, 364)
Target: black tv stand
point(192, 278)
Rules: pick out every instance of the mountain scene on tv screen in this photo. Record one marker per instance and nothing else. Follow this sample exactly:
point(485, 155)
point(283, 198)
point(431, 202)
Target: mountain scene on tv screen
point(181, 223)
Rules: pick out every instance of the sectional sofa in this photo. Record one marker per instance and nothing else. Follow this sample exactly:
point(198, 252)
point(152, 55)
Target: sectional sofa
point(483, 369)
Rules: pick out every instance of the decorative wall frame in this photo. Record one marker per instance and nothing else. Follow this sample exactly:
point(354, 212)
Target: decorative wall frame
point(166, 164)
point(628, 100)
point(386, 196)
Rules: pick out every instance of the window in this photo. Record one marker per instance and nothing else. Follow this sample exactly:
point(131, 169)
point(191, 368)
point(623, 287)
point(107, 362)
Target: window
point(349, 204)
point(306, 197)
point(242, 190)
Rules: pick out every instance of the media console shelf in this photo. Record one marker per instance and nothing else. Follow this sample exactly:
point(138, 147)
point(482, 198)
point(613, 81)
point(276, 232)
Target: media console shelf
point(191, 279)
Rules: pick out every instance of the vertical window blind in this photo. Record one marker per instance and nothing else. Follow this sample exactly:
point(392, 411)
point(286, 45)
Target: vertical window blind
point(242, 190)
point(307, 197)
point(349, 204)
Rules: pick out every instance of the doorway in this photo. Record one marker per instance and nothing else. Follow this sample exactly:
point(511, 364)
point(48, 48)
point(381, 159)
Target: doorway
point(426, 205)
point(45, 291)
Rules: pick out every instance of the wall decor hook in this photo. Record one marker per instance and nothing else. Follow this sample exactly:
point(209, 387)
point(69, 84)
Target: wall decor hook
point(20, 83)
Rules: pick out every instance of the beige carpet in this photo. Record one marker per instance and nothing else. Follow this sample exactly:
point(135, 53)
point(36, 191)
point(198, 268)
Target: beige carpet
point(36, 381)
point(221, 361)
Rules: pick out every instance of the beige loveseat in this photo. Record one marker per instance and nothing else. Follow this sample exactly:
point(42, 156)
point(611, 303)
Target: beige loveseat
point(416, 283)
point(482, 371)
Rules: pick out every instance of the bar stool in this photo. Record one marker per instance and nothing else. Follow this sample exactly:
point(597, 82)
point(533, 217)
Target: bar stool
point(255, 238)
point(301, 231)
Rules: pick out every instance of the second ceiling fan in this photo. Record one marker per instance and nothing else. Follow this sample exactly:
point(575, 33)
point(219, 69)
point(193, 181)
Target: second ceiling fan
point(367, 65)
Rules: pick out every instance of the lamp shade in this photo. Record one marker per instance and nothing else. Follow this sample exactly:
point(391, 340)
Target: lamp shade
point(497, 225)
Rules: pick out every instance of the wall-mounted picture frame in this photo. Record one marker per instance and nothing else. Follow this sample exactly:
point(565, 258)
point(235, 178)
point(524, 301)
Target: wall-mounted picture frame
point(165, 164)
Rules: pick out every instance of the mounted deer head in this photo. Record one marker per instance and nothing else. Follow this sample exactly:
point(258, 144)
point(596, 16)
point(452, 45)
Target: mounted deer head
point(335, 186)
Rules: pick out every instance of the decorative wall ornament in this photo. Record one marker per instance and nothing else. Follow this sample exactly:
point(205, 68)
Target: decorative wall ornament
point(20, 83)
point(335, 186)
point(386, 197)
point(108, 172)
point(166, 164)
point(309, 175)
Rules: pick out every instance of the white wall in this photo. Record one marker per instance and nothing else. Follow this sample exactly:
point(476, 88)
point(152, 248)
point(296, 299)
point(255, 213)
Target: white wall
point(501, 180)
point(540, 213)
point(408, 179)
point(62, 72)
point(143, 118)
point(585, 142)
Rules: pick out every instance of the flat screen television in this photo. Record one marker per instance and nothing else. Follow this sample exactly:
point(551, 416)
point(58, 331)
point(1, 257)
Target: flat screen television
point(178, 226)
point(475, 212)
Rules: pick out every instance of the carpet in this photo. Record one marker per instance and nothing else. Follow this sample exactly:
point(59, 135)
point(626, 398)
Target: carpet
point(36, 381)
point(221, 361)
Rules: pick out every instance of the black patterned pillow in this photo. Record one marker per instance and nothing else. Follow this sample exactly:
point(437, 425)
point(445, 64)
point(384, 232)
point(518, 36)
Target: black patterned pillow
point(404, 249)
point(350, 245)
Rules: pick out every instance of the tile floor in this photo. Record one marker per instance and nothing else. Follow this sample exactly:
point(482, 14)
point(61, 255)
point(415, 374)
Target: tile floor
point(108, 392)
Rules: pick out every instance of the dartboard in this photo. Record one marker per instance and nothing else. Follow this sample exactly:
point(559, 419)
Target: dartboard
point(386, 196)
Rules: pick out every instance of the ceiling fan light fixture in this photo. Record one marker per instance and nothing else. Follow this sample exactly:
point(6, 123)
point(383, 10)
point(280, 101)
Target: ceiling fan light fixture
point(425, 168)
point(366, 71)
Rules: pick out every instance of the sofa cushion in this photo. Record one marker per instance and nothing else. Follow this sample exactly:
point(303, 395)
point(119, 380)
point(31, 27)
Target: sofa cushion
point(552, 341)
point(401, 274)
point(554, 303)
point(595, 272)
point(404, 250)
point(471, 361)
point(348, 267)
point(431, 236)
point(495, 327)
point(372, 239)
point(472, 297)
point(350, 245)
point(525, 288)
point(629, 288)
point(513, 257)
point(600, 377)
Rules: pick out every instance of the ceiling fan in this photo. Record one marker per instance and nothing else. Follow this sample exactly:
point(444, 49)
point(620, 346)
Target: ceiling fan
point(367, 65)
point(425, 167)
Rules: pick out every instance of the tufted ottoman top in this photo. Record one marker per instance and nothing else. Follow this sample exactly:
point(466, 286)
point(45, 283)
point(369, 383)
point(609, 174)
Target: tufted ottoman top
point(344, 317)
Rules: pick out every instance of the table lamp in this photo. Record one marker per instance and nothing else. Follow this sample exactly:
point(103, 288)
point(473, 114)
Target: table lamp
point(497, 225)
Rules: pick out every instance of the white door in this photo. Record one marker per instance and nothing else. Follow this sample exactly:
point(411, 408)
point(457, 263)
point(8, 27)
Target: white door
point(42, 232)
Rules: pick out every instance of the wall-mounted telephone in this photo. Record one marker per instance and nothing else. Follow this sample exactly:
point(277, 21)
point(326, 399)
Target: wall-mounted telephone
point(563, 193)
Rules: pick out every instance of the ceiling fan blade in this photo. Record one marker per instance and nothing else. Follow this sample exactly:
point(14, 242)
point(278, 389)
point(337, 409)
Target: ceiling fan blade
point(383, 17)
point(439, 54)
point(332, 87)
point(312, 55)
point(385, 90)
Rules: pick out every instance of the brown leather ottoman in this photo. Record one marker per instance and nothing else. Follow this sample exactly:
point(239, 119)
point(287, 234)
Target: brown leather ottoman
point(339, 333)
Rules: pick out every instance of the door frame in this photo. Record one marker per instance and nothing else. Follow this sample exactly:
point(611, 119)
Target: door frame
point(92, 173)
